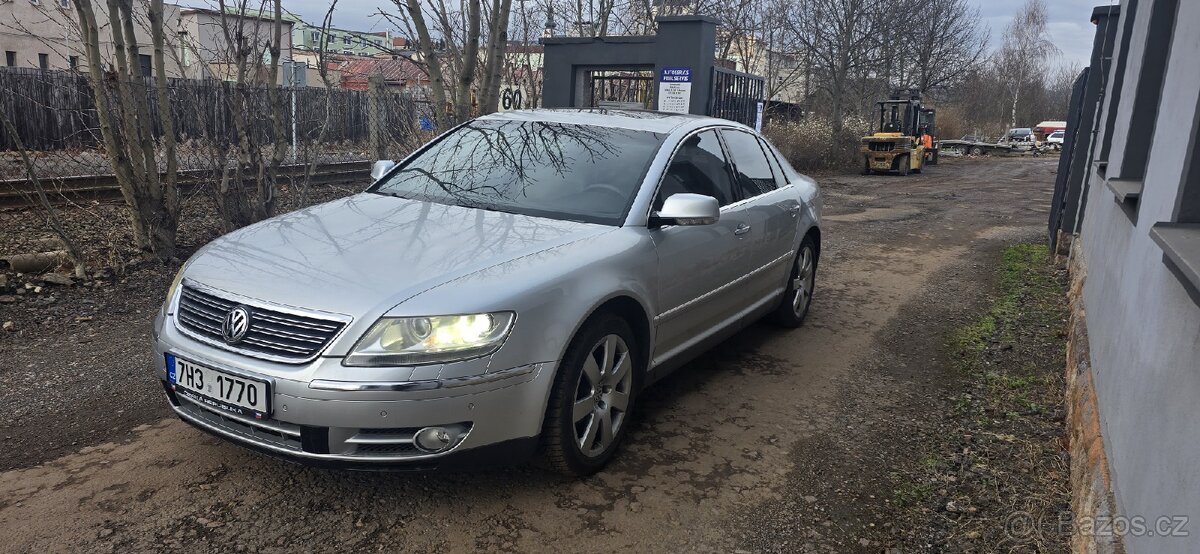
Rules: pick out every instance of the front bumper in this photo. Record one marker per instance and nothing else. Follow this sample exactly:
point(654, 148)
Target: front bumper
point(368, 424)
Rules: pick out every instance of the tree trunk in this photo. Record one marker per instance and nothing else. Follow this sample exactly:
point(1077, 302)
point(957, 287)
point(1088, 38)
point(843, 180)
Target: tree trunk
point(375, 116)
point(470, 57)
point(437, 79)
point(152, 198)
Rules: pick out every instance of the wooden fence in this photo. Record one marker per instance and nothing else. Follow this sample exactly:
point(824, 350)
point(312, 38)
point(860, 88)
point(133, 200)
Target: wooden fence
point(54, 110)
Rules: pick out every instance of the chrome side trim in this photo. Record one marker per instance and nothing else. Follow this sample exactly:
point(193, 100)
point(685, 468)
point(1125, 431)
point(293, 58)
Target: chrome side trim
point(673, 311)
point(430, 384)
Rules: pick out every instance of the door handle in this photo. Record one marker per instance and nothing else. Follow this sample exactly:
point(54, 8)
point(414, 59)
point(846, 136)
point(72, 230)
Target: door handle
point(741, 229)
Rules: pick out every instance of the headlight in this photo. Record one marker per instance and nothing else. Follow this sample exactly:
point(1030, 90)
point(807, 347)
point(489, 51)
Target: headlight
point(427, 340)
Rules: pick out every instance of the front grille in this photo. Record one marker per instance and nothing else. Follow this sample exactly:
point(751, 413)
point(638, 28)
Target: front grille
point(881, 146)
point(271, 334)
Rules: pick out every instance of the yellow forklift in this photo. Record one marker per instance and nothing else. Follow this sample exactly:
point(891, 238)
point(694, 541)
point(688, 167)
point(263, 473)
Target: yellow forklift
point(904, 140)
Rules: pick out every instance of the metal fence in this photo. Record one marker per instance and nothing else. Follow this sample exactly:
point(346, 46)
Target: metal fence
point(55, 110)
point(56, 121)
point(736, 96)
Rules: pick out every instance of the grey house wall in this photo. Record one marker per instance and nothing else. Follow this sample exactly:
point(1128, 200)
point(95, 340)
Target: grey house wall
point(1143, 325)
point(682, 41)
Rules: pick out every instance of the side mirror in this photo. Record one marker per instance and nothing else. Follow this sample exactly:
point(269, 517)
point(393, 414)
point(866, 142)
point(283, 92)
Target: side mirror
point(686, 208)
point(381, 168)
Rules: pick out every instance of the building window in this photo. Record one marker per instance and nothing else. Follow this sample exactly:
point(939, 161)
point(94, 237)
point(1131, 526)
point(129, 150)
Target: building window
point(10, 58)
point(145, 62)
point(73, 62)
point(44, 61)
point(64, 4)
point(347, 40)
point(316, 37)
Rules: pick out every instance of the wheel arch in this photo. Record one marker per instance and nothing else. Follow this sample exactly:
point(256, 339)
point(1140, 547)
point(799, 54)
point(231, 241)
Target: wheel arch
point(814, 233)
point(634, 313)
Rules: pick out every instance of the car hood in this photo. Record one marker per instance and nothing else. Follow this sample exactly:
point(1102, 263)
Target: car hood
point(368, 252)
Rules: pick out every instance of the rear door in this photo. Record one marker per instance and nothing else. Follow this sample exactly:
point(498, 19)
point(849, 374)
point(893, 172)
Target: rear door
point(770, 210)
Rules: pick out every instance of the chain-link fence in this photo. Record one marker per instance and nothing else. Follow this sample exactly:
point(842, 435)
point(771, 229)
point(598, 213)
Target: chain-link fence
point(57, 123)
point(225, 134)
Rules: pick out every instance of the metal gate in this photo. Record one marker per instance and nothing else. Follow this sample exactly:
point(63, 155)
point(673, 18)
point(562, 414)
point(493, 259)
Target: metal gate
point(622, 89)
point(736, 96)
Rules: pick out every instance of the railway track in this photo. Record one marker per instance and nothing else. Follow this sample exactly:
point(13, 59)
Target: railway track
point(21, 192)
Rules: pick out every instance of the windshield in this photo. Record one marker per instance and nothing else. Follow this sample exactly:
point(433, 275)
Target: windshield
point(556, 170)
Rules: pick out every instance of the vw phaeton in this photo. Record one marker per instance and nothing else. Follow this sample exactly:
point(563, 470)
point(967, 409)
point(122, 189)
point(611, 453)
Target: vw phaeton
point(507, 289)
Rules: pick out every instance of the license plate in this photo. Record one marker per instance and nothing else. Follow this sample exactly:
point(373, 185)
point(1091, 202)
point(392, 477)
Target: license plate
point(213, 387)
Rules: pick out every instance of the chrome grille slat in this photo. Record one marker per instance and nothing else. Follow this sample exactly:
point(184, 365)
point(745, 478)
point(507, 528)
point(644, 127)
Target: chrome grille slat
point(202, 325)
point(296, 323)
point(275, 334)
point(275, 345)
point(207, 300)
point(271, 329)
point(191, 309)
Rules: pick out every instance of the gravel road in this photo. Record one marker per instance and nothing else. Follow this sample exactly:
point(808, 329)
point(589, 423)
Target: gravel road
point(714, 445)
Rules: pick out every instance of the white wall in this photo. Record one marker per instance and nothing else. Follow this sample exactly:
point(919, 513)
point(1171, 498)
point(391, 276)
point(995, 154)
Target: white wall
point(1143, 327)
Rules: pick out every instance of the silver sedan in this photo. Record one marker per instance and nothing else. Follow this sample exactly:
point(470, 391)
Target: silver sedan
point(506, 290)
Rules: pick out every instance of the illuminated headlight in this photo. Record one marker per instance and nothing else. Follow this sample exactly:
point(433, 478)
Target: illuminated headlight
point(426, 340)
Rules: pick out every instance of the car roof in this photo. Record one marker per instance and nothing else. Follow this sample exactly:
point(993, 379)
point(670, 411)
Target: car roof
point(637, 120)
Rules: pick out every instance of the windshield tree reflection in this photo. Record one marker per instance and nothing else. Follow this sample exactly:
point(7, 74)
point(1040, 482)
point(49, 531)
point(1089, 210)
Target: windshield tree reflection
point(562, 171)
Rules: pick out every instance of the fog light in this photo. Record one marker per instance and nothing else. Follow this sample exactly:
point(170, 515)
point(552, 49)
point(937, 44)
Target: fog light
point(435, 439)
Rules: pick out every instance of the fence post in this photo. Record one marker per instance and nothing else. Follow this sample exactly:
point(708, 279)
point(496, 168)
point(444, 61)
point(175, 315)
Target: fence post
point(375, 116)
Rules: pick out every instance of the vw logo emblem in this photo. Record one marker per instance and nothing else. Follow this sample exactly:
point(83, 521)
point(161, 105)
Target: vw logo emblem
point(236, 323)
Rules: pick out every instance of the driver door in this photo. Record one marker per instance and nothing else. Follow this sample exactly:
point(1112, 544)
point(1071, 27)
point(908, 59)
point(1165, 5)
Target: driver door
point(697, 264)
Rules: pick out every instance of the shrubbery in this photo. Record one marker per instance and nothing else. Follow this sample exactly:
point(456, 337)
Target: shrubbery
point(812, 144)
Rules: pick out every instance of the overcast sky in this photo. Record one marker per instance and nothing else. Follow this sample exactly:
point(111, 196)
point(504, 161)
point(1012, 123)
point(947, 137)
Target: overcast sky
point(1069, 26)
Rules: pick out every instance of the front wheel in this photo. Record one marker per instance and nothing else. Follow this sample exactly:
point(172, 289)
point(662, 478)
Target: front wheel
point(903, 166)
point(793, 308)
point(593, 395)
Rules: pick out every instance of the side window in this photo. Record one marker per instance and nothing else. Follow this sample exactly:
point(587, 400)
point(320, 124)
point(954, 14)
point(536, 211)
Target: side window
point(754, 175)
point(698, 167)
point(780, 179)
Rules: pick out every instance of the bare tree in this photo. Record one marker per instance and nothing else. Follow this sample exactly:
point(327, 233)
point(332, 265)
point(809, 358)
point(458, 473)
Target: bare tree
point(456, 56)
point(152, 195)
point(243, 48)
point(838, 36)
point(950, 42)
point(496, 48)
point(1022, 57)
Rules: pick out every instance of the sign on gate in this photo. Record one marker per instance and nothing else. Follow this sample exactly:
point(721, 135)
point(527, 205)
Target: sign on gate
point(675, 90)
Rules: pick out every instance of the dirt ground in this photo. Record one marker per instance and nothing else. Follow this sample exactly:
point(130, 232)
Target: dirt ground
point(787, 441)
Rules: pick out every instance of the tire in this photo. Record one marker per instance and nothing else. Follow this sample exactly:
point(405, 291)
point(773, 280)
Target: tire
point(902, 165)
point(976, 151)
point(567, 428)
point(866, 166)
point(793, 308)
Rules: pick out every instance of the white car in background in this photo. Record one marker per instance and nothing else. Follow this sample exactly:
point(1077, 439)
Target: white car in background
point(1055, 140)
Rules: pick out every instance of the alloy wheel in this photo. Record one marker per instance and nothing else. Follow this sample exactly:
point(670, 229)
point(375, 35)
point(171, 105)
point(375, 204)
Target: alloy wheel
point(802, 284)
point(602, 395)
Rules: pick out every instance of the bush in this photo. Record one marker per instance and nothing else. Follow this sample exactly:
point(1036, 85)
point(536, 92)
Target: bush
point(811, 144)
